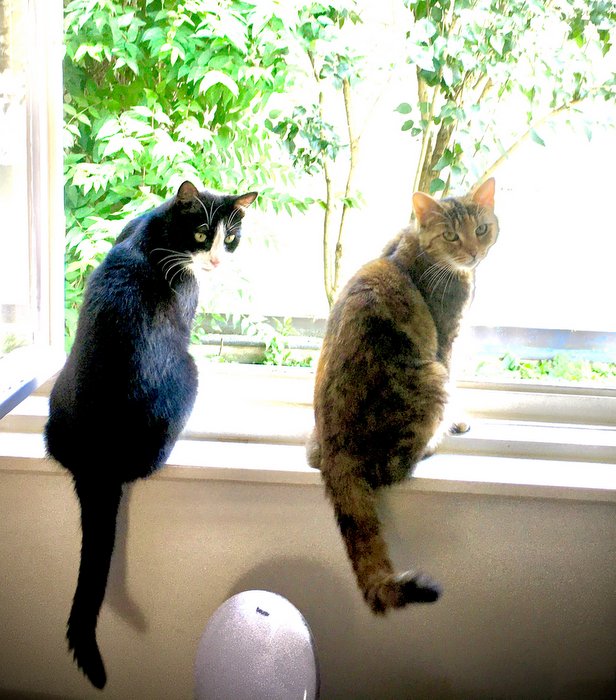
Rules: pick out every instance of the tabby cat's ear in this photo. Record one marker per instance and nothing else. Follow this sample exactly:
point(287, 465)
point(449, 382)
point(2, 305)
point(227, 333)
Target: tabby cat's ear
point(425, 208)
point(187, 192)
point(245, 200)
point(484, 194)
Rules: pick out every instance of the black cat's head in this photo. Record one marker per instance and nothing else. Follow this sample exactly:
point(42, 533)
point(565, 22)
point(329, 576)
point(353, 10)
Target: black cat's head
point(206, 226)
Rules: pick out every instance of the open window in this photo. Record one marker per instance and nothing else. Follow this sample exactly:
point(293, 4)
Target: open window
point(31, 257)
point(544, 290)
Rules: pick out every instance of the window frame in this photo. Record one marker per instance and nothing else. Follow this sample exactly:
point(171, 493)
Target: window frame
point(30, 366)
point(590, 409)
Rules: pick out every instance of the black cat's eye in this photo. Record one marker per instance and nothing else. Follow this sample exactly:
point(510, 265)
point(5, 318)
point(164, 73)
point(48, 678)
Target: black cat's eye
point(450, 236)
point(481, 230)
point(200, 236)
point(230, 238)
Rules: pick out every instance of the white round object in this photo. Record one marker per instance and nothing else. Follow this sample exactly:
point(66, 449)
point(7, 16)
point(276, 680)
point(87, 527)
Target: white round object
point(256, 646)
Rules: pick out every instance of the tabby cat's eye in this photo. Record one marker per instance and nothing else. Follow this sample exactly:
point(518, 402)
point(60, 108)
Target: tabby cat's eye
point(450, 236)
point(200, 236)
point(230, 238)
point(481, 230)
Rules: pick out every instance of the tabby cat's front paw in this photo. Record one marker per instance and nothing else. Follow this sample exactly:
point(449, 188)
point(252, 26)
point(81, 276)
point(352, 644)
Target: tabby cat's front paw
point(419, 588)
point(459, 428)
point(396, 591)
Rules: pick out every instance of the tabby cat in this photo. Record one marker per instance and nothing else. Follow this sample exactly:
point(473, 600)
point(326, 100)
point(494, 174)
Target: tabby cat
point(129, 383)
point(380, 390)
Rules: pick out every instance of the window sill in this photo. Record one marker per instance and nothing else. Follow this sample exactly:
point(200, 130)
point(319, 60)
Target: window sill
point(250, 424)
point(23, 371)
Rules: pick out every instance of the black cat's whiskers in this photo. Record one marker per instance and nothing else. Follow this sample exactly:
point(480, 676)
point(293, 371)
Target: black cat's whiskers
point(181, 261)
point(184, 269)
point(179, 264)
point(231, 221)
point(201, 203)
point(214, 211)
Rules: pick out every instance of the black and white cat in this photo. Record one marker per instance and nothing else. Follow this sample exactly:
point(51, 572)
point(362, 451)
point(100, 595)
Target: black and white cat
point(129, 383)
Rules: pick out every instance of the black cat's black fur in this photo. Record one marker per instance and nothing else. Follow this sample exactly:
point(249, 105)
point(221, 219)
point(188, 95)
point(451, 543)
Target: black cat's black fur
point(129, 383)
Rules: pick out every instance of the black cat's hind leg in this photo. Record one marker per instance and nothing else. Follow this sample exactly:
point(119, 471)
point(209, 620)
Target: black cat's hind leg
point(99, 503)
point(356, 514)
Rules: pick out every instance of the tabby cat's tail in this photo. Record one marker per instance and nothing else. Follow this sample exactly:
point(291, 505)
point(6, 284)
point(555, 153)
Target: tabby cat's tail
point(355, 509)
point(99, 508)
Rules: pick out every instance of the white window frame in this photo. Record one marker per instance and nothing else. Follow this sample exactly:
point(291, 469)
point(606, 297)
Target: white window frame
point(29, 367)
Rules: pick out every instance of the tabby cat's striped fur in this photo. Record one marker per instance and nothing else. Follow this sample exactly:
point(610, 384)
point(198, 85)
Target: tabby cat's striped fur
point(380, 389)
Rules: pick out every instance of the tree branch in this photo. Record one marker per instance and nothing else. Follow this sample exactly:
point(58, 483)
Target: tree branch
point(353, 153)
point(535, 125)
point(327, 275)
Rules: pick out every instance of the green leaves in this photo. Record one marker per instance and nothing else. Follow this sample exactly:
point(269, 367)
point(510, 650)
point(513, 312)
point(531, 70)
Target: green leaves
point(158, 92)
point(493, 74)
point(536, 138)
point(437, 185)
point(216, 77)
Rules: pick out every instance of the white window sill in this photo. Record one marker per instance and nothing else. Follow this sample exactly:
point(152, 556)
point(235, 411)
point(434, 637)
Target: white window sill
point(250, 424)
point(23, 371)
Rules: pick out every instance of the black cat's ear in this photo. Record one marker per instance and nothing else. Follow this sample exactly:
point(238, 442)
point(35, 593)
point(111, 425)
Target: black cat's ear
point(425, 208)
point(484, 194)
point(187, 192)
point(245, 200)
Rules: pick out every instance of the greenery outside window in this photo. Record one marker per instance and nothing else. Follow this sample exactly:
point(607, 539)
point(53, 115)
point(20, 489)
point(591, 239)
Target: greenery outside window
point(335, 112)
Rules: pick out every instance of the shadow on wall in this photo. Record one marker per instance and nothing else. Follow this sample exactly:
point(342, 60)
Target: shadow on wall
point(365, 657)
point(353, 661)
point(118, 596)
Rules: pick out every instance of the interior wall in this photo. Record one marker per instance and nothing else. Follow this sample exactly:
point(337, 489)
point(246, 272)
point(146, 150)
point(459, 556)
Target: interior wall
point(528, 611)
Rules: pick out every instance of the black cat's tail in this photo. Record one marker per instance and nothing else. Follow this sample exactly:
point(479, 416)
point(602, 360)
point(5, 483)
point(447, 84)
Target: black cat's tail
point(355, 508)
point(99, 508)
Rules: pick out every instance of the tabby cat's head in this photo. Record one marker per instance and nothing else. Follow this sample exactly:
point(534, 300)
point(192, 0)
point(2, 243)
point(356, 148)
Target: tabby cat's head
point(457, 232)
point(206, 225)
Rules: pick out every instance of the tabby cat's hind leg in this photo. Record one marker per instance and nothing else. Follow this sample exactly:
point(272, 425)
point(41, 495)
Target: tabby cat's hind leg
point(355, 509)
point(313, 451)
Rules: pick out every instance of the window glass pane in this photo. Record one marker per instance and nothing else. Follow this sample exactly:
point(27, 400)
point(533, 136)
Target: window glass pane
point(540, 293)
point(16, 319)
point(31, 233)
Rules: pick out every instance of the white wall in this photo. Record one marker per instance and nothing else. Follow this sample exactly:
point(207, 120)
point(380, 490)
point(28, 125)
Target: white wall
point(529, 609)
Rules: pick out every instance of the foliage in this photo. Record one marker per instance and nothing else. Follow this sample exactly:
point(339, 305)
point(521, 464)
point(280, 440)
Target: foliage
point(277, 351)
point(313, 141)
point(273, 334)
point(10, 342)
point(491, 74)
point(561, 367)
point(157, 92)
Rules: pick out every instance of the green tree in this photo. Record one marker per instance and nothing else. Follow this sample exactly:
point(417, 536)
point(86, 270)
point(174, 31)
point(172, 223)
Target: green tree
point(329, 62)
point(156, 92)
point(492, 74)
